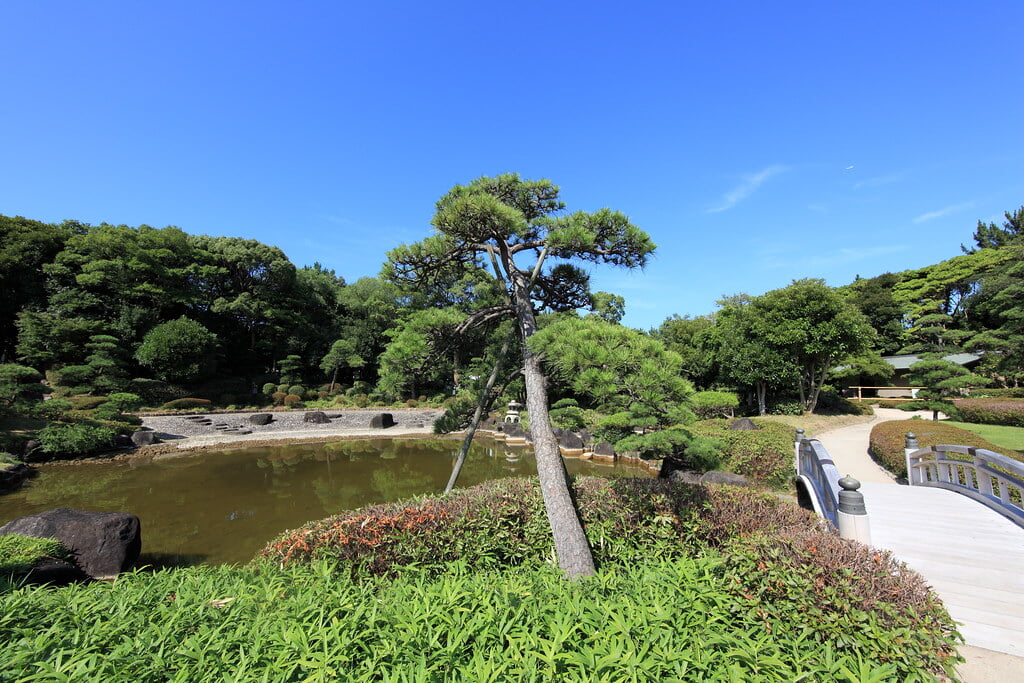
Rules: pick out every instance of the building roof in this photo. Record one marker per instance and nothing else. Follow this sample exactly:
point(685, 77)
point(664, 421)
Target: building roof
point(904, 361)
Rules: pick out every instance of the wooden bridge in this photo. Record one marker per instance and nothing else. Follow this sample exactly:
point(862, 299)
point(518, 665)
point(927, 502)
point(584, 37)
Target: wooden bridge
point(960, 524)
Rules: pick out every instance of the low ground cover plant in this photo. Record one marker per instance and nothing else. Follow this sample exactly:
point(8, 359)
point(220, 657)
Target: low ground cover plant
point(696, 583)
point(765, 455)
point(888, 441)
point(1008, 412)
point(18, 554)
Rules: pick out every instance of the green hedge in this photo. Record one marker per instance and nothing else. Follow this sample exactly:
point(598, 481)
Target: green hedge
point(188, 404)
point(1007, 412)
point(711, 404)
point(765, 455)
point(888, 441)
point(75, 439)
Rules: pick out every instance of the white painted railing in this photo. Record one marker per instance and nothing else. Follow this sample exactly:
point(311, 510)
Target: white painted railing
point(987, 477)
point(816, 471)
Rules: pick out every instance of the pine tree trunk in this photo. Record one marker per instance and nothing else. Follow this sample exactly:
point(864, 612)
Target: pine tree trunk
point(571, 546)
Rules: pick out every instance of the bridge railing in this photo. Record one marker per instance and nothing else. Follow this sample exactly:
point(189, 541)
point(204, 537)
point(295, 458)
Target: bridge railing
point(821, 478)
point(990, 478)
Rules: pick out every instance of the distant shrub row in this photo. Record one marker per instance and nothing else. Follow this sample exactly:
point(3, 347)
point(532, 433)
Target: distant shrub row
point(1008, 412)
point(888, 440)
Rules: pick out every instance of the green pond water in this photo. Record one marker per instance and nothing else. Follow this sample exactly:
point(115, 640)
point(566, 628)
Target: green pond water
point(222, 507)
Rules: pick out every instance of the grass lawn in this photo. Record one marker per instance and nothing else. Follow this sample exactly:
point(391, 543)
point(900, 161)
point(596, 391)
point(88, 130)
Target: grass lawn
point(1007, 437)
point(816, 424)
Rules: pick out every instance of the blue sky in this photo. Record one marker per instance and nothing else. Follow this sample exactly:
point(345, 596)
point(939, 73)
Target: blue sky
point(756, 142)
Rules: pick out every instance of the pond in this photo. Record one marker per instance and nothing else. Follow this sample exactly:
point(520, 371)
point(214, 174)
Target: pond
point(222, 507)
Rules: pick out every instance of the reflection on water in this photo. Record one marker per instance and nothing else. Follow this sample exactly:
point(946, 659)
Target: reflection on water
point(223, 506)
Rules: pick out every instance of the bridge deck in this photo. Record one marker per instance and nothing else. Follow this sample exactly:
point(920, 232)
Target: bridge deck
point(971, 555)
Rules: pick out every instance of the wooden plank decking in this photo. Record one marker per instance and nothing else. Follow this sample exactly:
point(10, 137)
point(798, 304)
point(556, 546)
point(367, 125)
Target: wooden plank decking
point(971, 555)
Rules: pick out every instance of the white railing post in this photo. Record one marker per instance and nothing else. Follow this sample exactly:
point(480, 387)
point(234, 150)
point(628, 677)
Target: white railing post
point(909, 446)
point(852, 515)
point(796, 450)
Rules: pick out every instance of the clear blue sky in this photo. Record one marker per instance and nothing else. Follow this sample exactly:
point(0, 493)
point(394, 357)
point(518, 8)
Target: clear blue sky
point(756, 142)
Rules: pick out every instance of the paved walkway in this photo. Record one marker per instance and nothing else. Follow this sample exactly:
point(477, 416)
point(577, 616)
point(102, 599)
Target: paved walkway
point(971, 555)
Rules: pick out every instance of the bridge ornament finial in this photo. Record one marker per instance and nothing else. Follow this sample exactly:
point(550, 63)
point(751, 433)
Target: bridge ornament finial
point(911, 444)
point(853, 515)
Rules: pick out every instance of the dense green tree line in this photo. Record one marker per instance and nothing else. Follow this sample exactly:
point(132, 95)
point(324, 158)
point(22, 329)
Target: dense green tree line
point(94, 307)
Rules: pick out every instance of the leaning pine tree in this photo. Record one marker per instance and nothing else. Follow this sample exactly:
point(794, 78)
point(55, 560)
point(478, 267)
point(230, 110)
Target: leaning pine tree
point(512, 226)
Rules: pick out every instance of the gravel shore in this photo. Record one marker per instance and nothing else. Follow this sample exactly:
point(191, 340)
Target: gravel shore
point(179, 432)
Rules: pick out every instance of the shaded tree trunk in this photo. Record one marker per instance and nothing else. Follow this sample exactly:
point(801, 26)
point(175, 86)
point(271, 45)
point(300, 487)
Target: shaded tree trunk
point(571, 545)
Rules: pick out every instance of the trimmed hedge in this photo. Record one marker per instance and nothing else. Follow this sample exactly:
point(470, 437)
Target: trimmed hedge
point(87, 402)
point(1007, 412)
point(765, 455)
point(707, 405)
point(188, 404)
point(888, 441)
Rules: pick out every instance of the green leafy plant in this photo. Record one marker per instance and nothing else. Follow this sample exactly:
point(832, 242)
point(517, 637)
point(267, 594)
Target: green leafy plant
point(188, 404)
point(18, 553)
point(75, 439)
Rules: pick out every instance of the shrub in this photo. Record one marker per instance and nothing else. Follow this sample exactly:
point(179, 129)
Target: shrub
point(697, 453)
point(1007, 412)
point(188, 404)
point(269, 388)
point(51, 410)
point(18, 554)
point(765, 455)
point(226, 399)
point(888, 441)
point(283, 389)
point(297, 389)
point(773, 560)
point(154, 392)
point(279, 397)
point(292, 401)
point(1012, 392)
point(75, 439)
point(361, 400)
point(358, 388)
point(124, 401)
point(567, 414)
point(786, 408)
point(710, 404)
point(411, 403)
point(87, 402)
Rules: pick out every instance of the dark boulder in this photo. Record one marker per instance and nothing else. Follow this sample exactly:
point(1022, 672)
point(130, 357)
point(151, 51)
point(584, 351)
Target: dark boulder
point(123, 441)
point(570, 441)
point(317, 417)
point(143, 438)
point(684, 477)
point(260, 419)
point(55, 572)
point(31, 445)
point(382, 421)
point(604, 448)
point(719, 477)
point(13, 474)
point(103, 543)
point(586, 436)
point(744, 423)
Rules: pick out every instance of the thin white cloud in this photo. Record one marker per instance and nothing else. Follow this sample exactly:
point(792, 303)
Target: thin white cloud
point(932, 215)
point(780, 258)
point(878, 181)
point(750, 183)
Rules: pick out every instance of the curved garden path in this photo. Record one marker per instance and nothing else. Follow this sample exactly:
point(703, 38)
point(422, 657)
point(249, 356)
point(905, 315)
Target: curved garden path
point(988, 604)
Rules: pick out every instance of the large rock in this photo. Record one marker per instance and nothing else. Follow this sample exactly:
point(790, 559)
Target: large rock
point(570, 441)
point(143, 438)
point(382, 421)
point(103, 543)
point(719, 477)
point(744, 423)
point(317, 417)
point(55, 573)
point(13, 474)
point(604, 448)
point(261, 419)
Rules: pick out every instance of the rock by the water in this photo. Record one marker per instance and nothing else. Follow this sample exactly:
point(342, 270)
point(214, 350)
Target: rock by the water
point(12, 475)
point(31, 445)
point(585, 436)
point(123, 441)
point(143, 438)
point(744, 423)
point(570, 441)
point(604, 448)
point(260, 419)
point(684, 477)
point(316, 417)
point(382, 421)
point(104, 543)
point(719, 477)
point(55, 573)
